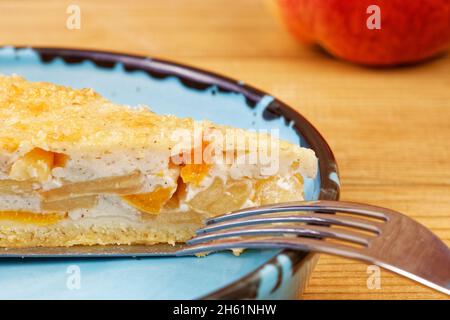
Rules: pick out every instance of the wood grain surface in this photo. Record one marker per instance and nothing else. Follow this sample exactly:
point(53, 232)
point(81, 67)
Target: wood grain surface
point(389, 128)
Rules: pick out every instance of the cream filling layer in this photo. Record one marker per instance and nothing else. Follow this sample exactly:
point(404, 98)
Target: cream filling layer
point(107, 206)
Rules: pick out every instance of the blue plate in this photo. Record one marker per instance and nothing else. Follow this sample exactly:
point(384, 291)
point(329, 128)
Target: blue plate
point(168, 88)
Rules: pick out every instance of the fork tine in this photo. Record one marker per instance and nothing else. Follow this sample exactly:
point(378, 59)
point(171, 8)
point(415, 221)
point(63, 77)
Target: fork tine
point(302, 218)
point(320, 205)
point(308, 231)
point(297, 243)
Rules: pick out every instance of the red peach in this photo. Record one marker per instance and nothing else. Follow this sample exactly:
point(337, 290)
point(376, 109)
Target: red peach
point(410, 30)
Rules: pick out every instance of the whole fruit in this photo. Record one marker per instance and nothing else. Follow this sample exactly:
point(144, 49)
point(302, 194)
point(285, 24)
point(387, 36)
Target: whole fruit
point(408, 30)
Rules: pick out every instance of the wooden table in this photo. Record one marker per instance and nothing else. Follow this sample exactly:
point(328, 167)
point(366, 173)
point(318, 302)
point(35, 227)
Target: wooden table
point(389, 129)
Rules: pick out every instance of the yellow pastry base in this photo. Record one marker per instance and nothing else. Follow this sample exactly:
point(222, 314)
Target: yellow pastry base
point(165, 228)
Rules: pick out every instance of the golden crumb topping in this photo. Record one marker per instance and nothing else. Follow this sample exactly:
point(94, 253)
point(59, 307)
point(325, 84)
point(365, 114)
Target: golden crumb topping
point(55, 117)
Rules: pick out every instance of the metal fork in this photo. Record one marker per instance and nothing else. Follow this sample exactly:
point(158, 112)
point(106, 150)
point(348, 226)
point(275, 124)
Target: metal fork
point(372, 234)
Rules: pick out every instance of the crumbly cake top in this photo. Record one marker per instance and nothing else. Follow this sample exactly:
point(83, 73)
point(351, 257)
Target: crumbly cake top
point(61, 119)
point(57, 116)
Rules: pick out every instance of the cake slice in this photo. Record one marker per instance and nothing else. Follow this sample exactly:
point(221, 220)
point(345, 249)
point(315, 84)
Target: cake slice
point(76, 169)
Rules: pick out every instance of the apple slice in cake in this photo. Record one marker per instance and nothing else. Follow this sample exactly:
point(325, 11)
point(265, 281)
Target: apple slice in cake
point(76, 169)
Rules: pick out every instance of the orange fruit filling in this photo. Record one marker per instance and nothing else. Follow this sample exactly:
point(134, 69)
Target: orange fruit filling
point(271, 191)
point(194, 173)
point(60, 160)
point(221, 198)
point(41, 219)
point(37, 165)
point(151, 202)
point(179, 194)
